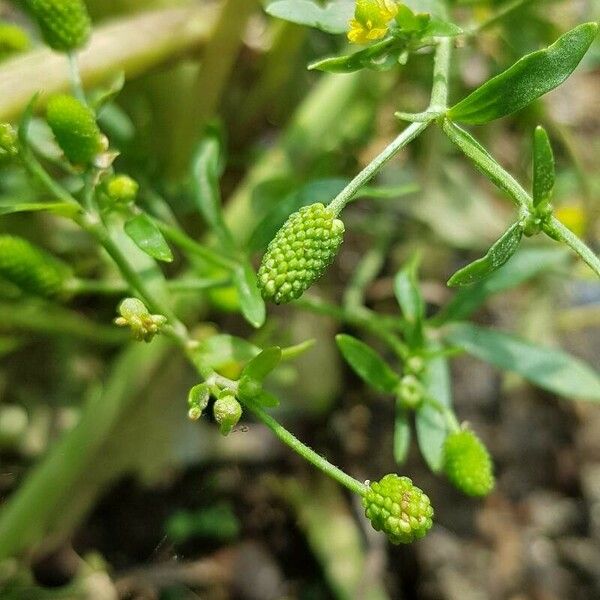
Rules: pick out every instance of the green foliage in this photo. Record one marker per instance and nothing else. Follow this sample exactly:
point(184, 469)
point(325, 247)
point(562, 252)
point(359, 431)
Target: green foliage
point(148, 238)
point(543, 168)
point(331, 18)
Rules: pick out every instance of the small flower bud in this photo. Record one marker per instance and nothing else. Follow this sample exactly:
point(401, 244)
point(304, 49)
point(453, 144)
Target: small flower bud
point(198, 398)
point(410, 392)
point(122, 189)
point(8, 142)
point(65, 24)
point(136, 316)
point(467, 463)
point(75, 129)
point(227, 412)
point(303, 248)
point(398, 508)
point(32, 269)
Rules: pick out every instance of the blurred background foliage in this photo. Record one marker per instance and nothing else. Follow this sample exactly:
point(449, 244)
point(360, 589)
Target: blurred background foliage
point(150, 505)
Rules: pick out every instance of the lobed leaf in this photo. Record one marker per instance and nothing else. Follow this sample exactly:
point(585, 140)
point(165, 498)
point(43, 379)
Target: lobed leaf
point(529, 78)
point(543, 167)
point(148, 238)
point(367, 363)
point(497, 256)
point(550, 369)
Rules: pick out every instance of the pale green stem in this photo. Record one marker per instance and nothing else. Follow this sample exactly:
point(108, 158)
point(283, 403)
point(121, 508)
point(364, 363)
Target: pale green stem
point(565, 235)
point(305, 452)
point(75, 78)
point(111, 288)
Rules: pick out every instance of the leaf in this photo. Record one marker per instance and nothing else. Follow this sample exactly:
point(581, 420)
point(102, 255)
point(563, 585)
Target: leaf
point(262, 364)
point(375, 57)
point(543, 168)
point(104, 95)
point(497, 256)
point(553, 370)
point(148, 238)
point(331, 18)
point(207, 168)
point(525, 264)
point(401, 436)
point(529, 78)
point(267, 399)
point(321, 190)
point(221, 350)
point(293, 352)
point(438, 28)
point(64, 209)
point(367, 363)
point(430, 424)
point(251, 302)
point(408, 295)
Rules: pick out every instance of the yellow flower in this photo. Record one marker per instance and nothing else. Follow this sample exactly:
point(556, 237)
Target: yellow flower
point(371, 18)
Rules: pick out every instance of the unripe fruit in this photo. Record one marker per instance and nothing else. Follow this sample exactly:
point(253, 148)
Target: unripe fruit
point(65, 24)
point(467, 463)
point(227, 412)
point(398, 508)
point(122, 189)
point(75, 129)
point(31, 269)
point(8, 141)
point(303, 248)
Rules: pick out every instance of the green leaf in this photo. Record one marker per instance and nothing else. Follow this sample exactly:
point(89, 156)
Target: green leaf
point(401, 436)
point(108, 92)
point(293, 352)
point(267, 399)
point(331, 18)
point(497, 256)
point(438, 28)
point(525, 265)
point(430, 424)
point(543, 168)
point(262, 364)
point(63, 209)
point(551, 369)
point(408, 295)
point(377, 56)
point(221, 350)
point(207, 168)
point(321, 190)
point(529, 78)
point(251, 302)
point(367, 364)
point(148, 238)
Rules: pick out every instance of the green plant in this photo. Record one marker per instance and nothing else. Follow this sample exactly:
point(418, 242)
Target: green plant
point(138, 230)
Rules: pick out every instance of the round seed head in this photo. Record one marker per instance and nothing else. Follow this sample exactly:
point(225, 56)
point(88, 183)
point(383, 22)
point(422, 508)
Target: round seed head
point(298, 255)
point(75, 129)
point(467, 463)
point(227, 412)
point(65, 24)
point(398, 508)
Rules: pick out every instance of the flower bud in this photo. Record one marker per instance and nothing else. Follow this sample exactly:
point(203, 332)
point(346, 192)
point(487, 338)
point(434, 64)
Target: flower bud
point(75, 129)
point(136, 316)
point(32, 269)
point(122, 189)
point(467, 463)
point(198, 398)
point(227, 412)
point(398, 508)
point(303, 248)
point(410, 392)
point(65, 24)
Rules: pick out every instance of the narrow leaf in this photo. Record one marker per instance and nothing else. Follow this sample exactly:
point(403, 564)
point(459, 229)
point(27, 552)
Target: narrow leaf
point(251, 302)
point(64, 209)
point(401, 436)
point(408, 295)
point(372, 57)
point(293, 352)
point(331, 18)
point(148, 238)
point(497, 256)
point(262, 364)
point(529, 78)
point(429, 422)
point(222, 350)
point(543, 167)
point(207, 168)
point(525, 265)
point(267, 400)
point(551, 369)
point(437, 28)
point(367, 363)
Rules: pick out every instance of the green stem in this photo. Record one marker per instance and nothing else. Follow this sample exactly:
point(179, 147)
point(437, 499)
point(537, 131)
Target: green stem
point(305, 452)
point(441, 75)
point(565, 235)
point(112, 288)
point(75, 78)
point(447, 413)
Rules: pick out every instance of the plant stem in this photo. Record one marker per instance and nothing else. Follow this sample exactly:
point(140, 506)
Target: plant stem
point(111, 288)
point(305, 452)
point(577, 245)
point(75, 78)
point(441, 75)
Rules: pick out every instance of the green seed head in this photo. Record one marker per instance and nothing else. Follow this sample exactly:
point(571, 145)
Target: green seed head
point(398, 508)
point(134, 314)
point(122, 189)
point(31, 269)
point(299, 254)
point(410, 392)
point(227, 412)
point(467, 463)
point(65, 24)
point(13, 40)
point(75, 129)
point(8, 142)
